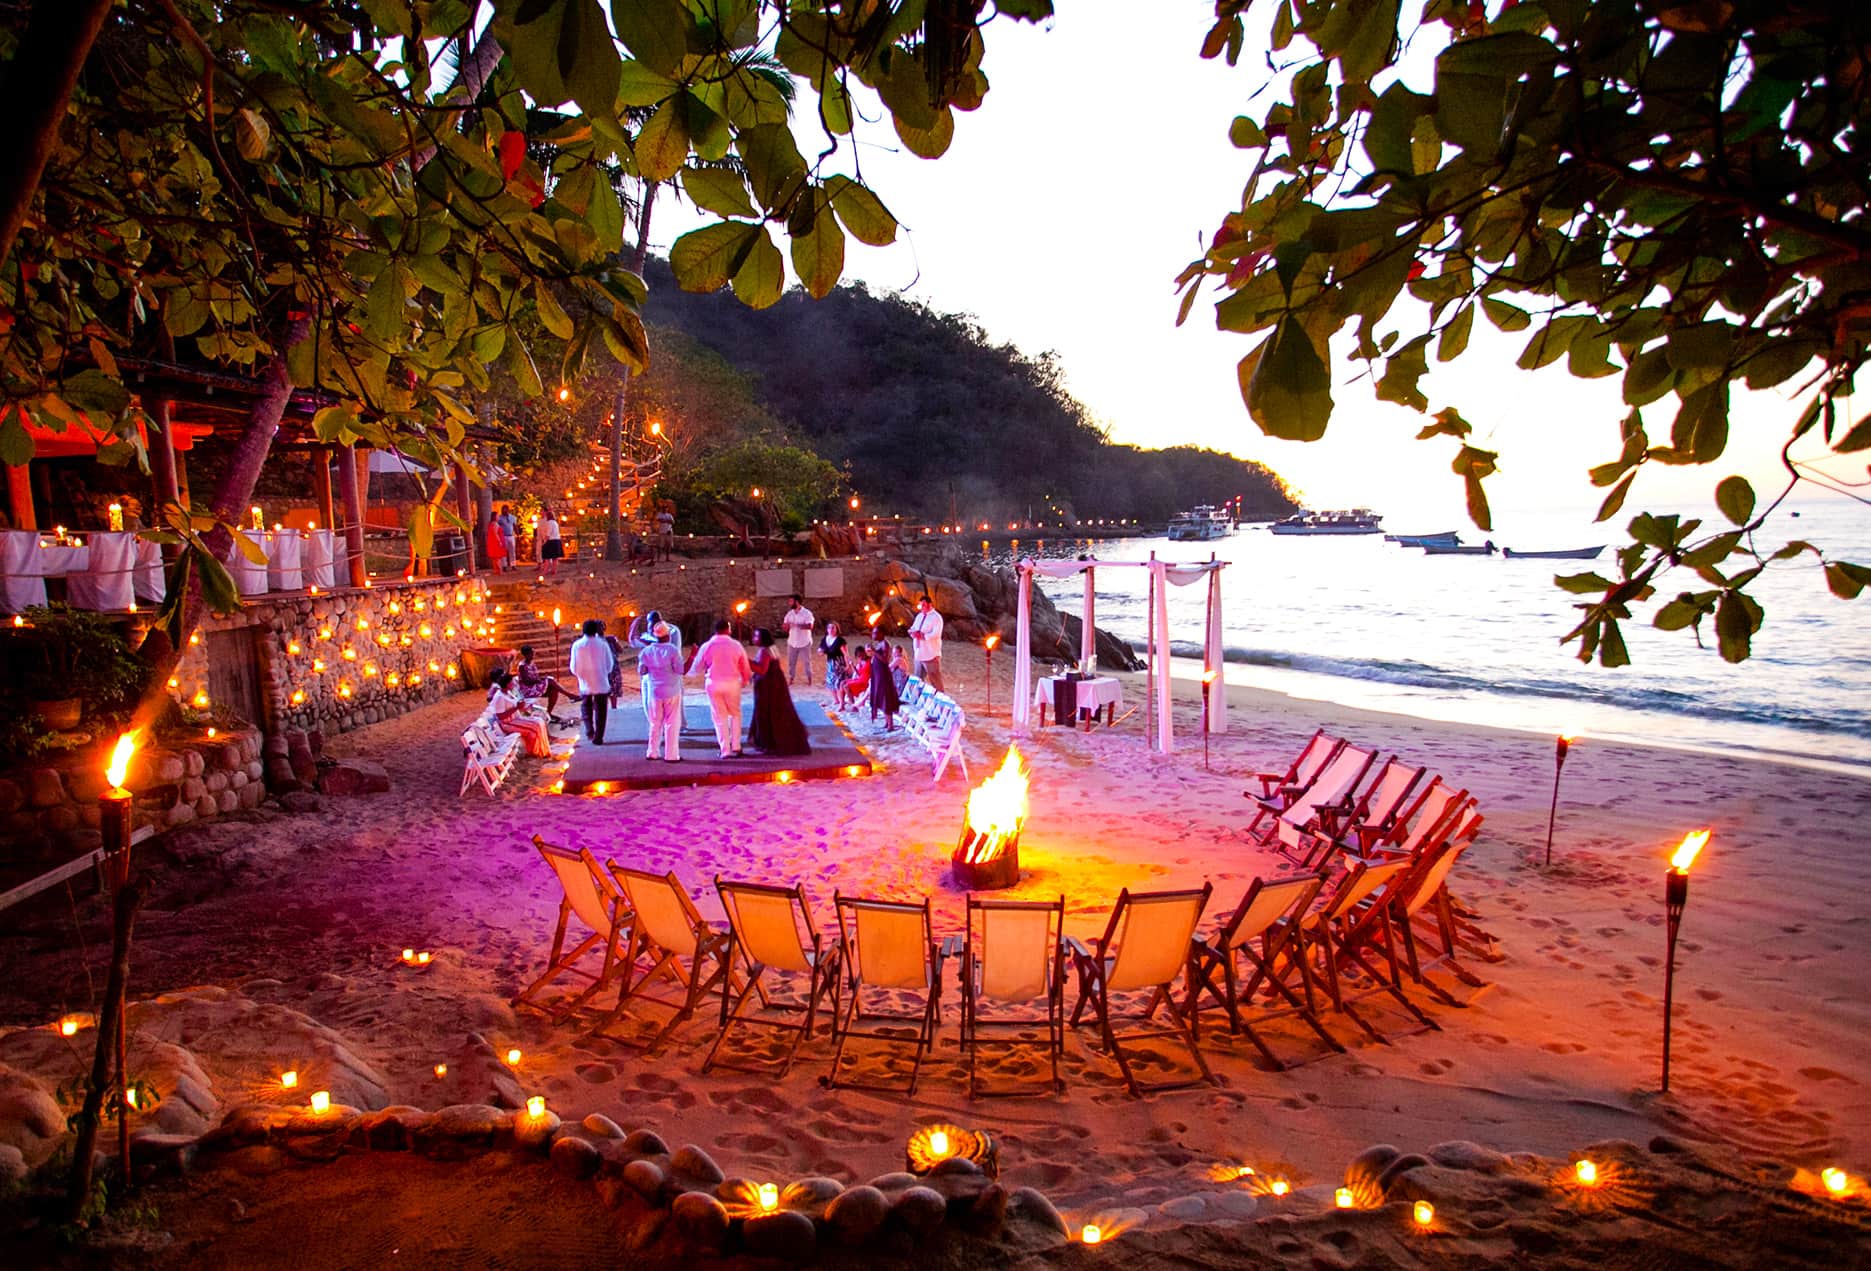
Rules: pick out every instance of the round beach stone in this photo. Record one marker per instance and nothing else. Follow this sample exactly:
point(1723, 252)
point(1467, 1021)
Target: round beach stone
point(394, 1128)
point(701, 1218)
point(645, 1143)
point(1368, 1166)
point(1463, 1155)
point(535, 1131)
point(921, 1209)
point(988, 1212)
point(697, 1164)
point(602, 1126)
point(855, 1214)
point(895, 1182)
point(464, 1123)
point(1394, 1172)
point(1184, 1209)
point(807, 1192)
point(645, 1177)
point(954, 1165)
point(12, 1164)
point(787, 1235)
point(1032, 1205)
point(575, 1157)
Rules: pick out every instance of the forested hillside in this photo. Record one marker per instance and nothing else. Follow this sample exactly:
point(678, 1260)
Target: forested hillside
point(934, 421)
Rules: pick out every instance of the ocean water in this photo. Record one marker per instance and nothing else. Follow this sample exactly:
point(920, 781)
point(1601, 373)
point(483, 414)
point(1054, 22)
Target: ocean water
point(1366, 623)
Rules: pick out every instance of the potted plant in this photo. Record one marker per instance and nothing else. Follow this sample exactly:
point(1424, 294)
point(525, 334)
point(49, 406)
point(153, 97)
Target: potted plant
point(68, 662)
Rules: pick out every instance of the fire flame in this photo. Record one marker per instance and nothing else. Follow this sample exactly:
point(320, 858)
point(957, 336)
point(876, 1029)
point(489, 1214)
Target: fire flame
point(119, 766)
point(1686, 852)
point(996, 809)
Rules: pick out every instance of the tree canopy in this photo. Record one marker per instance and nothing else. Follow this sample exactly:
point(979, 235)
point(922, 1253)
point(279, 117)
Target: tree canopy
point(1670, 191)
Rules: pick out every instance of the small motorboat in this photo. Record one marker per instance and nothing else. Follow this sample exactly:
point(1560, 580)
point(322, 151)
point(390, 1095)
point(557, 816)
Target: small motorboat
point(1571, 553)
point(1459, 549)
point(1417, 540)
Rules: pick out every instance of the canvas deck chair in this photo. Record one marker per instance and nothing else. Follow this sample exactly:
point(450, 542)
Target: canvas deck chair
point(1355, 923)
point(588, 892)
point(770, 929)
point(1324, 805)
point(1385, 802)
point(1271, 916)
point(1279, 789)
point(1429, 822)
point(888, 947)
point(1145, 947)
point(1013, 958)
point(1423, 900)
point(671, 937)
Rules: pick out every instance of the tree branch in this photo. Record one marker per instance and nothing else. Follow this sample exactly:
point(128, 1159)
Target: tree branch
point(33, 97)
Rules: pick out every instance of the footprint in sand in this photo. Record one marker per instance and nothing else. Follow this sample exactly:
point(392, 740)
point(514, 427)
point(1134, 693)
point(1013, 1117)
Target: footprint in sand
point(597, 1074)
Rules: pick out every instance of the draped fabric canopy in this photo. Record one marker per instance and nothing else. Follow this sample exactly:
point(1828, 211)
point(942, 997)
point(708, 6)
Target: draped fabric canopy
point(1164, 574)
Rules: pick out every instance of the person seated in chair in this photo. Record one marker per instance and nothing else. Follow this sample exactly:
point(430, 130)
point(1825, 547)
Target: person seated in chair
point(513, 716)
point(534, 683)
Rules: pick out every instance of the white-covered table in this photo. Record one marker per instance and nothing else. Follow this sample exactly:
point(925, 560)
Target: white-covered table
point(22, 570)
point(320, 562)
point(105, 582)
point(151, 585)
point(284, 550)
point(249, 578)
point(1101, 692)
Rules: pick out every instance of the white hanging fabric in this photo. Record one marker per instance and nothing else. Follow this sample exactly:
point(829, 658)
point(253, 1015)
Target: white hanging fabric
point(1159, 638)
point(1023, 652)
point(1088, 633)
point(1213, 659)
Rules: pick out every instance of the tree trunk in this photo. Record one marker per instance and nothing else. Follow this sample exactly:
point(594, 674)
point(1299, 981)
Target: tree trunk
point(614, 538)
point(233, 494)
point(33, 97)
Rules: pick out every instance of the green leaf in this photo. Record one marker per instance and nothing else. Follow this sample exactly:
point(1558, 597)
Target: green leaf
point(606, 217)
point(1290, 392)
point(551, 313)
point(218, 591)
point(639, 85)
point(1245, 134)
point(1856, 439)
point(1615, 500)
point(1699, 433)
point(1735, 497)
point(707, 259)
point(525, 374)
point(1611, 650)
point(819, 256)
point(1684, 611)
point(334, 423)
point(655, 32)
point(488, 341)
point(761, 279)
point(588, 58)
point(1504, 316)
point(775, 168)
point(1455, 335)
point(905, 89)
point(1737, 618)
point(928, 143)
point(255, 554)
point(1583, 584)
point(96, 394)
point(421, 531)
point(862, 212)
point(662, 144)
point(1845, 579)
point(1648, 377)
point(1404, 368)
point(16, 447)
point(717, 190)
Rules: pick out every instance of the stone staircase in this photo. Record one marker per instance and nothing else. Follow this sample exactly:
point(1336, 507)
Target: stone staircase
point(523, 621)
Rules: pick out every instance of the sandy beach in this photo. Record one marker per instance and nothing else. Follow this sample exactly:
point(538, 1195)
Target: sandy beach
point(307, 914)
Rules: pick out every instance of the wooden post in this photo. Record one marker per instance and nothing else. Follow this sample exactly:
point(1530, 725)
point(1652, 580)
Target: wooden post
point(321, 487)
point(353, 513)
point(19, 493)
point(464, 508)
point(162, 466)
point(129, 896)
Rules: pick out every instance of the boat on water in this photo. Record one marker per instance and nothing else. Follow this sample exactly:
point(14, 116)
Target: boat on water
point(1417, 540)
point(1200, 524)
point(1354, 521)
point(1459, 549)
point(1571, 553)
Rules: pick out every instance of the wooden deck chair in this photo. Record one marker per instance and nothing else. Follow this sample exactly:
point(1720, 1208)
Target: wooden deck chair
point(771, 929)
point(1354, 922)
point(1013, 955)
point(588, 892)
point(1146, 945)
point(888, 947)
point(1324, 804)
point(1279, 789)
point(1423, 897)
point(1385, 802)
point(670, 935)
point(1426, 826)
point(1271, 913)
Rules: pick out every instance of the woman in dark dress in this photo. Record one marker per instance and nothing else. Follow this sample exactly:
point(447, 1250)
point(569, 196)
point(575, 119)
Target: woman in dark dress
point(775, 729)
point(883, 689)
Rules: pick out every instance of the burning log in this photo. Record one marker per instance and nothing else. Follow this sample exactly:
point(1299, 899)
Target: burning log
point(987, 857)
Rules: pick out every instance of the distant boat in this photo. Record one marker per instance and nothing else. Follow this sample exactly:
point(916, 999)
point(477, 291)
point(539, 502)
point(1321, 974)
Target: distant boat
point(1571, 553)
point(1459, 549)
point(1417, 540)
point(1355, 521)
point(1200, 524)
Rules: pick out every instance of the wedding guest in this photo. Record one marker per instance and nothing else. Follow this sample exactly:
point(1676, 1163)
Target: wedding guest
point(775, 728)
point(511, 714)
point(534, 683)
point(832, 649)
point(723, 666)
point(591, 664)
point(660, 668)
point(883, 688)
point(617, 667)
point(798, 621)
point(899, 669)
point(926, 637)
point(551, 546)
point(496, 546)
point(856, 685)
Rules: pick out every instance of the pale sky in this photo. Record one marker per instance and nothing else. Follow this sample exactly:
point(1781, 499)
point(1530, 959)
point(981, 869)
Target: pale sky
point(1093, 173)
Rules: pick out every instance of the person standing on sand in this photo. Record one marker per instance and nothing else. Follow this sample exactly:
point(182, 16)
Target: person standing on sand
point(665, 534)
point(798, 622)
point(510, 531)
point(723, 665)
point(496, 546)
point(660, 666)
point(883, 689)
point(591, 663)
point(551, 546)
point(926, 640)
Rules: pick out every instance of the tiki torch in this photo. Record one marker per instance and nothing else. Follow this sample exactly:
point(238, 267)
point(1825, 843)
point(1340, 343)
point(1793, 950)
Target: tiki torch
point(1559, 764)
point(1675, 898)
point(557, 615)
point(989, 644)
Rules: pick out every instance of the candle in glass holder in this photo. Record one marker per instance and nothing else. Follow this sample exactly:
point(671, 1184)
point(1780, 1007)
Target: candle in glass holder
point(116, 518)
point(259, 518)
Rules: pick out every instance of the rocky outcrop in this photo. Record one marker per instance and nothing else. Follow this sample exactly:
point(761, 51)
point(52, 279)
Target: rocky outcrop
point(1113, 653)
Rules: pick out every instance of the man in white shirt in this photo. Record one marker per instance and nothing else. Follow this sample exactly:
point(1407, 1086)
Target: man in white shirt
point(660, 665)
point(926, 641)
point(798, 622)
point(591, 664)
point(722, 663)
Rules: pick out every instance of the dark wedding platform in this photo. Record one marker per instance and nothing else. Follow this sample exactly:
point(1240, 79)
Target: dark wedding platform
point(619, 763)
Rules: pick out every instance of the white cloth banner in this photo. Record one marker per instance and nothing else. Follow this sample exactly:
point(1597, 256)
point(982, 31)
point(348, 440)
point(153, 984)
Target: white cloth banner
point(1023, 653)
point(1213, 659)
point(284, 554)
point(1159, 657)
point(22, 570)
point(106, 583)
point(249, 578)
point(318, 563)
point(151, 584)
point(1088, 633)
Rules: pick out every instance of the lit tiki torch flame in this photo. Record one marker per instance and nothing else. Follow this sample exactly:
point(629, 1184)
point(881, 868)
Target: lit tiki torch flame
point(989, 852)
